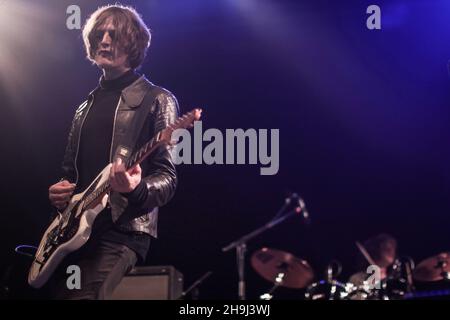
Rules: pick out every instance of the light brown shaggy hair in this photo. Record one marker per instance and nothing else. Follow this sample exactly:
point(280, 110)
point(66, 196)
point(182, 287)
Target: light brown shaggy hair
point(132, 35)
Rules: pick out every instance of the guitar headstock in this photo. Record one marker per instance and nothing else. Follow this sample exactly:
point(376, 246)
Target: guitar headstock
point(184, 122)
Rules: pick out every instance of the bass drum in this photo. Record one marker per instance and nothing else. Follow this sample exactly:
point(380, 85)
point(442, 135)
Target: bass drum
point(333, 290)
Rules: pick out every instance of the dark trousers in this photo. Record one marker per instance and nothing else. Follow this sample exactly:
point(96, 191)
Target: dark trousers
point(102, 264)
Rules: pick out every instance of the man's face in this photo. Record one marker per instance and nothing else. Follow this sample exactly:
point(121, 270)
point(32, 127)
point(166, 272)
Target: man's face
point(108, 54)
point(388, 254)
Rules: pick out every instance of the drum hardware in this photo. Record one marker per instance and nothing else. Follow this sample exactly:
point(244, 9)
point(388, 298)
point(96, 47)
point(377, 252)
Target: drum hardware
point(278, 283)
point(399, 281)
point(331, 288)
point(332, 273)
point(325, 290)
point(241, 244)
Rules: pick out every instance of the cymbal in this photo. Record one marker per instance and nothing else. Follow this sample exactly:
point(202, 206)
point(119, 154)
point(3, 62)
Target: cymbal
point(291, 271)
point(433, 268)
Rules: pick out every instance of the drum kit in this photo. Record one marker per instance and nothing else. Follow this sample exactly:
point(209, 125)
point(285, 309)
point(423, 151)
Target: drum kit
point(283, 269)
point(400, 280)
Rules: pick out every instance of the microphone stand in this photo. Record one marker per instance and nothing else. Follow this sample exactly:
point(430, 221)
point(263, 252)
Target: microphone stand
point(241, 243)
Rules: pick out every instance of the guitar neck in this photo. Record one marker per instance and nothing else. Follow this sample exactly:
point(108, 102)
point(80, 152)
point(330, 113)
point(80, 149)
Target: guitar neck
point(140, 155)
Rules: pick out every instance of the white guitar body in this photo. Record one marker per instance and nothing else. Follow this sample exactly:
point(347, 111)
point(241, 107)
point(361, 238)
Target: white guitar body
point(43, 266)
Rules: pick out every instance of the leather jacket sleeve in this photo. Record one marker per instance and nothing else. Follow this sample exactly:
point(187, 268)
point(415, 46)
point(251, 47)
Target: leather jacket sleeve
point(161, 180)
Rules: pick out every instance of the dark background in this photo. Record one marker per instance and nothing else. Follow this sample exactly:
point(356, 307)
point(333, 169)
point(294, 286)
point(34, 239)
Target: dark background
point(363, 118)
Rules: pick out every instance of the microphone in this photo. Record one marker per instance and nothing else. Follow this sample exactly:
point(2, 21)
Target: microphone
point(301, 207)
point(299, 204)
point(290, 198)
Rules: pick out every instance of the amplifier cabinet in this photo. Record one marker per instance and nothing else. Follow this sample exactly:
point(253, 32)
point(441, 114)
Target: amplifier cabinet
point(150, 283)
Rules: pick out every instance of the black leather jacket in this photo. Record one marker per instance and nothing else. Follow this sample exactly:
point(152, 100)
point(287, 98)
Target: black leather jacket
point(142, 111)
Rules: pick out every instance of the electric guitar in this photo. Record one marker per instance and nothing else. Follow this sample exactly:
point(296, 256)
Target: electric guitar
point(71, 229)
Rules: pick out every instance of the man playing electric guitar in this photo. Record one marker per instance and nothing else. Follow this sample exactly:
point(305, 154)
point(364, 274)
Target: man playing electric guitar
point(122, 113)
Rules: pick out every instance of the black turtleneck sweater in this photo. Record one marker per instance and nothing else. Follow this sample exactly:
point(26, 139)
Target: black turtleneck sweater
point(94, 154)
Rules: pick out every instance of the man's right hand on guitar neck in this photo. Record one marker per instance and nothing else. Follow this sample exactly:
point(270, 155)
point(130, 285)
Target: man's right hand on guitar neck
point(60, 193)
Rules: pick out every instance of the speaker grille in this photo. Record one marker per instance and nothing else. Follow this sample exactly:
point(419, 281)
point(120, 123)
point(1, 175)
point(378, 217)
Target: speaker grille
point(150, 283)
